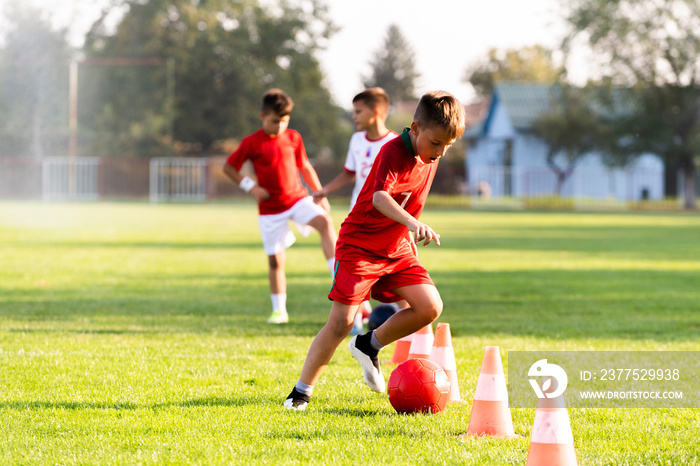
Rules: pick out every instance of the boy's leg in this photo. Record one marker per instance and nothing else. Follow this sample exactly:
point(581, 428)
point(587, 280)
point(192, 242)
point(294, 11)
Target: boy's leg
point(320, 353)
point(324, 225)
point(278, 288)
point(425, 305)
point(327, 340)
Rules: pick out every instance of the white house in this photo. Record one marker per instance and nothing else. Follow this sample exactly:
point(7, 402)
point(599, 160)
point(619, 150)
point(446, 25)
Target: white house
point(504, 157)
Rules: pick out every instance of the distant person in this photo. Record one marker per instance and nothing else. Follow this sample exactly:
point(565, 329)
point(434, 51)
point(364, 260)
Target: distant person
point(278, 157)
point(370, 109)
point(374, 254)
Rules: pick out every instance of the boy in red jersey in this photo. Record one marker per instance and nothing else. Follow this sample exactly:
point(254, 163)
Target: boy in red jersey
point(370, 109)
point(278, 156)
point(374, 254)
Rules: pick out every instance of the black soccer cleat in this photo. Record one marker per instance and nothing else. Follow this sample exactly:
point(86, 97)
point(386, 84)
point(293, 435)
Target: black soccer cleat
point(297, 401)
point(371, 370)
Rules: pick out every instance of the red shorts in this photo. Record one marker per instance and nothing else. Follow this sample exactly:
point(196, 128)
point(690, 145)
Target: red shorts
point(356, 279)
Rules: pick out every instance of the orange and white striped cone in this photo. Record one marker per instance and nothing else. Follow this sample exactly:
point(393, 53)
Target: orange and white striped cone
point(443, 355)
point(421, 343)
point(551, 442)
point(490, 412)
point(401, 349)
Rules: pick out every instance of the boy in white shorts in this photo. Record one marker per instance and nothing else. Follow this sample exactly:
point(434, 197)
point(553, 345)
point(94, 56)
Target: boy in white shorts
point(370, 109)
point(278, 157)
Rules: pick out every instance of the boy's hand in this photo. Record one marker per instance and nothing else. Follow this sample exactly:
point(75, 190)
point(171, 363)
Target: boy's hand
point(318, 195)
point(422, 232)
point(260, 193)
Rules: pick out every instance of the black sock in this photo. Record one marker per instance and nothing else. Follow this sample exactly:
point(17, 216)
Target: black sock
point(298, 397)
point(364, 344)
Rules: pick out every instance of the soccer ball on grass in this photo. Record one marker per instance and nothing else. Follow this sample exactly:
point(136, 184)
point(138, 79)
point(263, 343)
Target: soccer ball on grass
point(418, 386)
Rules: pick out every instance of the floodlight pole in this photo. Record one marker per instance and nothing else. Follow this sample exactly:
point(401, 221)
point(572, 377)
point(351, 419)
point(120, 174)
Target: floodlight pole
point(72, 126)
point(170, 99)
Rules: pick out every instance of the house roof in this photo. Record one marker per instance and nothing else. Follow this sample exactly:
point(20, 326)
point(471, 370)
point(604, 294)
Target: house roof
point(475, 117)
point(524, 102)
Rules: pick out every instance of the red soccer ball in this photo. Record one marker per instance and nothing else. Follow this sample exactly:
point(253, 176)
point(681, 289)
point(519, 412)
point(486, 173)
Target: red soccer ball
point(418, 386)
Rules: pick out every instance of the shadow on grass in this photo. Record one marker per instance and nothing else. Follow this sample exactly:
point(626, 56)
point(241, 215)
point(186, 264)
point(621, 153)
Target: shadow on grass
point(647, 304)
point(119, 406)
point(126, 244)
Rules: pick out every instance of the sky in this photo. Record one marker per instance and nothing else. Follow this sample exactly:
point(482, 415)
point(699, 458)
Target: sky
point(445, 35)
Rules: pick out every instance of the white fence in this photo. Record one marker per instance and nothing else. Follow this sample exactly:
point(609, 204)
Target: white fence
point(200, 179)
point(584, 188)
point(69, 179)
point(178, 179)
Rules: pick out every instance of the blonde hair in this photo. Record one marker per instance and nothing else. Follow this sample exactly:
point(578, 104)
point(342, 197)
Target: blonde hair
point(441, 109)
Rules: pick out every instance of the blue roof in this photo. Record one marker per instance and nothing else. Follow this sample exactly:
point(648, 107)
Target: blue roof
point(525, 102)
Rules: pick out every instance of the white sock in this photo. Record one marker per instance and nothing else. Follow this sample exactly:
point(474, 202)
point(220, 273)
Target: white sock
point(303, 388)
point(279, 302)
point(331, 265)
point(375, 343)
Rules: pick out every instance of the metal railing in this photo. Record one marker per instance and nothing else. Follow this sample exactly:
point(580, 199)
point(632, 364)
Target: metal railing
point(178, 179)
point(69, 178)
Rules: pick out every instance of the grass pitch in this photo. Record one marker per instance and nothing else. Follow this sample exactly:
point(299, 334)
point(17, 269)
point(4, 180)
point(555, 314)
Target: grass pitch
point(137, 334)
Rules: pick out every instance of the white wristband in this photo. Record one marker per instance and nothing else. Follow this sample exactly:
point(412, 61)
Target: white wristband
point(247, 183)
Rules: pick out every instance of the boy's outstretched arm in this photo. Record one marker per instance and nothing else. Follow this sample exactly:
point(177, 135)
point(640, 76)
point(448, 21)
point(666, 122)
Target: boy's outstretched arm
point(385, 204)
point(343, 178)
point(311, 178)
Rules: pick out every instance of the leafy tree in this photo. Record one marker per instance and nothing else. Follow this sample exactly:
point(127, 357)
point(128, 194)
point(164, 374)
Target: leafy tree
point(226, 54)
point(533, 64)
point(33, 84)
point(650, 48)
point(393, 67)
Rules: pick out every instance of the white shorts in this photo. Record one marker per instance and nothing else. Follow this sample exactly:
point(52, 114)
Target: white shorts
point(274, 229)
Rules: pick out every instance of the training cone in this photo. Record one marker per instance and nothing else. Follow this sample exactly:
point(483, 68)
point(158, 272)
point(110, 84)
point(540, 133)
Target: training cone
point(401, 349)
point(490, 412)
point(551, 442)
point(443, 355)
point(421, 343)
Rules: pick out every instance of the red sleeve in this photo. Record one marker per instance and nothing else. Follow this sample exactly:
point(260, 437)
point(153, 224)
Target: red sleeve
point(240, 155)
point(386, 178)
point(299, 150)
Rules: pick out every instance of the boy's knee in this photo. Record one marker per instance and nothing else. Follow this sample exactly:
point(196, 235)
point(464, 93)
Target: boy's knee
point(340, 328)
point(275, 262)
point(322, 223)
point(432, 310)
point(436, 309)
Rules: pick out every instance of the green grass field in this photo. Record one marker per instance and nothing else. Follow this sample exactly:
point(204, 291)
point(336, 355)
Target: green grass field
point(137, 334)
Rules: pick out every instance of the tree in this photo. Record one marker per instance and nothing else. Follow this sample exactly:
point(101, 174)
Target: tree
point(226, 54)
point(533, 64)
point(650, 48)
point(571, 130)
point(393, 67)
point(33, 84)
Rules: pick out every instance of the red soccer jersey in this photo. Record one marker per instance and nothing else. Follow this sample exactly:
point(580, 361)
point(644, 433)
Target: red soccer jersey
point(276, 162)
point(407, 180)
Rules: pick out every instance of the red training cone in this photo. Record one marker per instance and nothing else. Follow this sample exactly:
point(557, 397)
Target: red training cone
point(401, 349)
point(422, 343)
point(443, 354)
point(490, 412)
point(551, 442)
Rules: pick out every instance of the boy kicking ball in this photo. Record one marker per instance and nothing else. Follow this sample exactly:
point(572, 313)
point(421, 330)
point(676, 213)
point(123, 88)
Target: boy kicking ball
point(374, 255)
